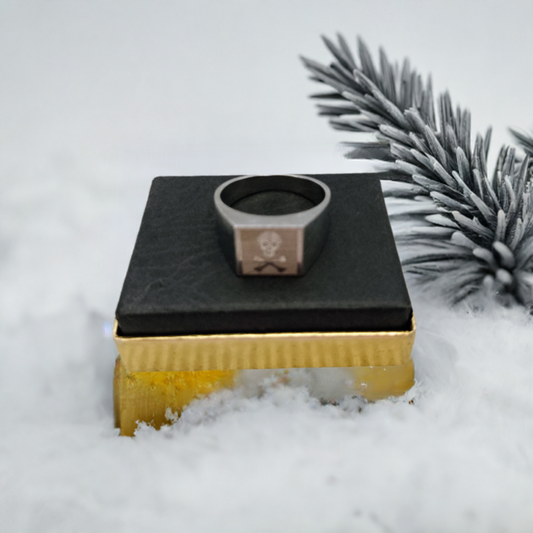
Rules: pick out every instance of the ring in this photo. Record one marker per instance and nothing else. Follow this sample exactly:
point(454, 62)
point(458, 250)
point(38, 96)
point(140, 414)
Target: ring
point(272, 245)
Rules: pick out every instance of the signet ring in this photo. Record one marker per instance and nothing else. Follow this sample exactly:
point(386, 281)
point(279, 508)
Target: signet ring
point(272, 245)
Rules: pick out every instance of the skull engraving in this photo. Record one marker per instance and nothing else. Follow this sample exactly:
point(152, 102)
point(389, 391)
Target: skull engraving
point(269, 242)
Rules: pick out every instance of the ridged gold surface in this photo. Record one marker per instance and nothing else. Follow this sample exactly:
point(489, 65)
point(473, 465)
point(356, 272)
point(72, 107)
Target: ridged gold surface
point(146, 396)
point(268, 350)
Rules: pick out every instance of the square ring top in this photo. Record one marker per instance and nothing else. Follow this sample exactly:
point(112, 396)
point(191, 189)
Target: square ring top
point(269, 251)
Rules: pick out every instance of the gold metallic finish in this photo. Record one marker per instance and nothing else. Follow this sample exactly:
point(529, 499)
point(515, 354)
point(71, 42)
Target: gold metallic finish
point(378, 382)
point(146, 396)
point(267, 350)
point(154, 374)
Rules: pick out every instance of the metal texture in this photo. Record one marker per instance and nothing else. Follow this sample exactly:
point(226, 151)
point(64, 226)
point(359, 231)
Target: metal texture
point(155, 374)
point(265, 350)
point(158, 398)
point(147, 396)
point(272, 245)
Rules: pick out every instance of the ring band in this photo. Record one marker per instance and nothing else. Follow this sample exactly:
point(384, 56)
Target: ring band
point(272, 245)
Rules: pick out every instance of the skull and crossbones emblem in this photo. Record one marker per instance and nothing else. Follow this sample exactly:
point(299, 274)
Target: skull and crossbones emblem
point(269, 242)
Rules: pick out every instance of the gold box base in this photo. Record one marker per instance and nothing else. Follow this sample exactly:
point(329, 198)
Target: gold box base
point(153, 374)
point(146, 396)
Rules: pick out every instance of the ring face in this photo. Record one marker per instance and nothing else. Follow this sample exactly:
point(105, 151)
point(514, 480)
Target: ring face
point(272, 245)
point(269, 251)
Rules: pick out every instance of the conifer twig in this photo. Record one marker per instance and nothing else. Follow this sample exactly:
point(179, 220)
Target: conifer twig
point(467, 231)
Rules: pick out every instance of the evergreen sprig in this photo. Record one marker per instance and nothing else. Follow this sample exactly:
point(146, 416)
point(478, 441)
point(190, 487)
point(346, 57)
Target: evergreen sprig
point(467, 231)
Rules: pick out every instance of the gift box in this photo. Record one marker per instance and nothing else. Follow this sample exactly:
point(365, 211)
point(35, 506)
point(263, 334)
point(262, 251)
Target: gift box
point(187, 325)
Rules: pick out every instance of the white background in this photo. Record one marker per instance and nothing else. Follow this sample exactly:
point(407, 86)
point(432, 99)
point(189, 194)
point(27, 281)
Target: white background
point(96, 99)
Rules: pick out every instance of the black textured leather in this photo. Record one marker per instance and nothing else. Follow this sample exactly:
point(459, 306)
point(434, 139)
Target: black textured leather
point(178, 281)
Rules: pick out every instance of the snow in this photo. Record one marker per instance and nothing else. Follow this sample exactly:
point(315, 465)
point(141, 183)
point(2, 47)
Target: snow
point(98, 98)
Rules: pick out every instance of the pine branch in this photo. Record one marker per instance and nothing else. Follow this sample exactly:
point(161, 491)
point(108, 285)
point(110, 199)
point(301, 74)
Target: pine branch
point(474, 232)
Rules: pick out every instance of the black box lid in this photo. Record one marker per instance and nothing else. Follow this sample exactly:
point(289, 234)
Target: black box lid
point(178, 281)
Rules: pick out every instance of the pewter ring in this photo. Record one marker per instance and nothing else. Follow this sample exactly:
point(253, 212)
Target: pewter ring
point(272, 245)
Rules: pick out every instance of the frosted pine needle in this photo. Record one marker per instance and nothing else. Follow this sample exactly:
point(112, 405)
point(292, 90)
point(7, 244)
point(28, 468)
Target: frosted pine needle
point(466, 231)
point(525, 140)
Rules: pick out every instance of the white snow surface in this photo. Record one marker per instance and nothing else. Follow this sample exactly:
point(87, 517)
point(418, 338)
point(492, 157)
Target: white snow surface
point(96, 99)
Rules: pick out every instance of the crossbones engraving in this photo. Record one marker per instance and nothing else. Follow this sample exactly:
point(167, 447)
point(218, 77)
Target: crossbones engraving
point(271, 263)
